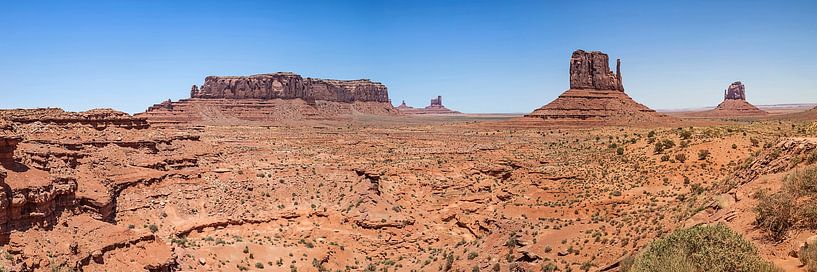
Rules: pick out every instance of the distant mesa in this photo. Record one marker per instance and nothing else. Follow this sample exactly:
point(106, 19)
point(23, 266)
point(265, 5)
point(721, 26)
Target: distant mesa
point(734, 104)
point(436, 107)
point(272, 97)
point(596, 95)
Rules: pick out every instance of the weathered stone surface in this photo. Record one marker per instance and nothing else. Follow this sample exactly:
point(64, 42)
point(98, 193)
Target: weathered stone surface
point(435, 107)
point(290, 86)
point(736, 91)
point(591, 70)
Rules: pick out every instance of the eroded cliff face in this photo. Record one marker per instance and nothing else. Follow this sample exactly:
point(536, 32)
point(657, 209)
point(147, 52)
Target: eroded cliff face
point(591, 70)
point(736, 91)
point(29, 197)
point(290, 86)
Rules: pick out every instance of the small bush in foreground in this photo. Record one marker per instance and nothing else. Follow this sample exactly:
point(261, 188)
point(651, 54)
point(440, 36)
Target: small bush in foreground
point(703, 248)
point(791, 207)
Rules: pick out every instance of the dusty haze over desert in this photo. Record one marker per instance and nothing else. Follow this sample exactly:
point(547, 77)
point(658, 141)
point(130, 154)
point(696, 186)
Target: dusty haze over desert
point(510, 141)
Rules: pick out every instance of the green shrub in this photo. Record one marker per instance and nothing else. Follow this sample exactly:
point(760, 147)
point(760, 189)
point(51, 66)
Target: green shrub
point(801, 183)
point(703, 154)
point(775, 214)
point(685, 134)
point(702, 248)
point(620, 151)
point(792, 207)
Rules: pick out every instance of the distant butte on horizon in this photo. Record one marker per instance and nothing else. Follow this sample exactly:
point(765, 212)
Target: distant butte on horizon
point(435, 107)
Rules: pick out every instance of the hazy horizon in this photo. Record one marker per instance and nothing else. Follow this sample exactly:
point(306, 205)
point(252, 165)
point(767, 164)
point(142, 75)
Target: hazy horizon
point(481, 56)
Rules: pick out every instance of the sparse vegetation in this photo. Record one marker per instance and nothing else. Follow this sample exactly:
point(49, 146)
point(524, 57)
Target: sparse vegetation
point(792, 206)
point(702, 248)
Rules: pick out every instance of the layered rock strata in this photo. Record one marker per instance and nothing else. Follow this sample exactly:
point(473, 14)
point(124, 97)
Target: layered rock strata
point(435, 107)
point(595, 94)
point(272, 97)
point(97, 118)
point(29, 196)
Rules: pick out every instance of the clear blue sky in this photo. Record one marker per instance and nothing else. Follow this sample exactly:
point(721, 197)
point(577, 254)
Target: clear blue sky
point(482, 56)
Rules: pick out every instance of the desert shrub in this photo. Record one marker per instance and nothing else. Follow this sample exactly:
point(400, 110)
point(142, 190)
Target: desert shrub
point(620, 151)
point(808, 213)
point(685, 134)
point(801, 183)
point(701, 248)
point(665, 158)
point(703, 154)
point(658, 148)
point(681, 157)
point(812, 157)
point(775, 214)
point(793, 206)
point(808, 256)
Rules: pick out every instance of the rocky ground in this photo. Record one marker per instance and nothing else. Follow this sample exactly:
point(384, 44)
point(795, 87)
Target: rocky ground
point(376, 192)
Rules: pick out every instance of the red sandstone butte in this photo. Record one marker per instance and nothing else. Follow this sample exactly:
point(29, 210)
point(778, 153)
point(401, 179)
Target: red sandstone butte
point(596, 95)
point(734, 104)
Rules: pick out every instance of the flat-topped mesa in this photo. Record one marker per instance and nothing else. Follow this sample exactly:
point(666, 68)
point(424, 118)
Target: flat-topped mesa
point(272, 97)
point(591, 70)
point(284, 85)
point(736, 91)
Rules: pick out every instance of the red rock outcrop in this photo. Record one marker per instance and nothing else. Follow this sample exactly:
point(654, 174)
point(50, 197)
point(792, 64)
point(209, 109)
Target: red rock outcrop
point(97, 118)
point(28, 196)
point(436, 107)
point(596, 95)
point(272, 97)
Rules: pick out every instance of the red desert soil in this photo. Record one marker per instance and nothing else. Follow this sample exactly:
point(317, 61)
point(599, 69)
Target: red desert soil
point(395, 192)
